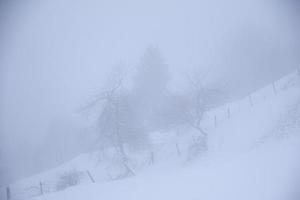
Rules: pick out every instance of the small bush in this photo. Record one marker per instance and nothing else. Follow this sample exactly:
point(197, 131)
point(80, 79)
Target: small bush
point(69, 179)
point(197, 148)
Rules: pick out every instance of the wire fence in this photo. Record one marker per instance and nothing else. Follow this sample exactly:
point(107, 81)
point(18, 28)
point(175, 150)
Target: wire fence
point(171, 148)
point(22, 191)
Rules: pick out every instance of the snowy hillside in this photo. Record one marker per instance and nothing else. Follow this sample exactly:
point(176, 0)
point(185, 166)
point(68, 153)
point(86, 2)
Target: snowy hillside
point(260, 174)
point(253, 149)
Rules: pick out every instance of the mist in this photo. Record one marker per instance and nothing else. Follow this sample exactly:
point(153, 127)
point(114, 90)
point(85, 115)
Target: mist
point(57, 56)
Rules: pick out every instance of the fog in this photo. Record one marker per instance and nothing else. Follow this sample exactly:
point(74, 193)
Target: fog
point(56, 56)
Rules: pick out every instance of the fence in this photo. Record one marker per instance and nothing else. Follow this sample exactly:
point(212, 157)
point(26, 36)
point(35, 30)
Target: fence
point(215, 118)
point(21, 192)
point(178, 149)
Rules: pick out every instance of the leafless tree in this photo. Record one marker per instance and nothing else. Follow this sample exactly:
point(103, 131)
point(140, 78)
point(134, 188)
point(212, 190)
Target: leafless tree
point(108, 119)
point(118, 125)
point(202, 98)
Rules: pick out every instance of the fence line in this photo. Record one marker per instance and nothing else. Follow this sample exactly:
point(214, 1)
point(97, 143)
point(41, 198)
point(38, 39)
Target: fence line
point(274, 88)
point(20, 192)
point(42, 188)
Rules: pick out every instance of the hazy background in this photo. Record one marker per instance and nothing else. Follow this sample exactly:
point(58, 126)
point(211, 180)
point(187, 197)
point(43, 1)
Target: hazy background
point(56, 54)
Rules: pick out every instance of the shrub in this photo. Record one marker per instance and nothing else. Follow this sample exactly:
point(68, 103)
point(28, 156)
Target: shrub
point(69, 179)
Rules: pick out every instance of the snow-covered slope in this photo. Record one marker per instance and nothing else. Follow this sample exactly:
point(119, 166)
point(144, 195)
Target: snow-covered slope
point(250, 124)
point(266, 173)
point(253, 150)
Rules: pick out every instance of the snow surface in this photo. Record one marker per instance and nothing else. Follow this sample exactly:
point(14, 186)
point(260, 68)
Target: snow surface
point(265, 173)
point(253, 154)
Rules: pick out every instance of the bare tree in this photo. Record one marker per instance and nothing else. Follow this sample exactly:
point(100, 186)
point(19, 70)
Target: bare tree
point(199, 103)
point(118, 126)
point(201, 99)
point(109, 120)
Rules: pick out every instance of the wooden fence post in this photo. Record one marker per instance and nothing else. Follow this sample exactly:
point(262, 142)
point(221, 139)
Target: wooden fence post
point(274, 88)
point(228, 112)
point(41, 188)
point(8, 194)
point(178, 149)
point(250, 100)
point(129, 170)
point(215, 121)
point(152, 158)
point(90, 176)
